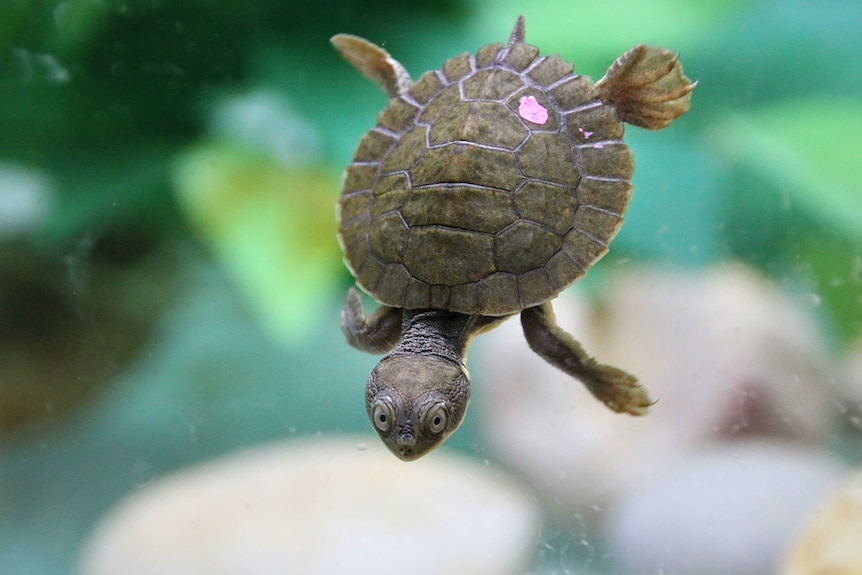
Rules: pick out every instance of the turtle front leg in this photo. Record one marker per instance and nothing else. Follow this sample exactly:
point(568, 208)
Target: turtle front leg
point(615, 388)
point(377, 333)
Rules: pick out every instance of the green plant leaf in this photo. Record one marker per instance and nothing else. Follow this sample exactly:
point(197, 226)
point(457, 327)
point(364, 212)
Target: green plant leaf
point(271, 227)
point(810, 148)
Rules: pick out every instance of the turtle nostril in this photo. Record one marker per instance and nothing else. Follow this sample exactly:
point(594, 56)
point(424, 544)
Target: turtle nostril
point(405, 443)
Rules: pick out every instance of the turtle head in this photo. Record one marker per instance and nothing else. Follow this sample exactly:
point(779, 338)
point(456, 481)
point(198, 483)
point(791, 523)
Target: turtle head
point(416, 401)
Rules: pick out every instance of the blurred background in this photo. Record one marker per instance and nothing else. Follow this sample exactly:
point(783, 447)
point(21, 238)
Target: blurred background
point(170, 282)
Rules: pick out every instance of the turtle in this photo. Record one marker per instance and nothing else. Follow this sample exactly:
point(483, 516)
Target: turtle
point(485, 189)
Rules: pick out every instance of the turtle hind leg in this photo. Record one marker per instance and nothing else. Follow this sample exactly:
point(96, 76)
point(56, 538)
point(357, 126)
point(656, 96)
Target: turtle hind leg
point(615, 388)
point(374, 63)
point(647, 87)
point(377, 333)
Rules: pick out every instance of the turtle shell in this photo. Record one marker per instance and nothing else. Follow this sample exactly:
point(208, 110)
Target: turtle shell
point(487, 187)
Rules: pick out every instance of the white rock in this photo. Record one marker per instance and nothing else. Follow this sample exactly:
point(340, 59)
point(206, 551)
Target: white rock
point(730, 351)
point(726, 355)
point(334, 506)
point(733, 509)
point(831, 542)
point(850, 386)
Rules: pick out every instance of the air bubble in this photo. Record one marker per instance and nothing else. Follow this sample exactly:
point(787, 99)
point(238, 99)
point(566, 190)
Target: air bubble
point(34, 67)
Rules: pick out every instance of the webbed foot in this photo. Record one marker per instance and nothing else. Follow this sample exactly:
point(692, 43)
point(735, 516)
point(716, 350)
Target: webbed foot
point(647, 87)
point(617, 389)
point(374, 63)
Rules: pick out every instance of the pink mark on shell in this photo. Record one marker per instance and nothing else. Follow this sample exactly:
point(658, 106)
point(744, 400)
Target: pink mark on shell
point(599, 146)
point(532, 111)
point(586, 134)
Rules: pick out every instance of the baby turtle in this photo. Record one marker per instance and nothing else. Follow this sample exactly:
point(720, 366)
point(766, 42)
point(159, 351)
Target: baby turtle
point(484, 190)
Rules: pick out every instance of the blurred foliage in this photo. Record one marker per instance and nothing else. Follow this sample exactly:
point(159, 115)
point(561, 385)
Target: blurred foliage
point(258, 221)
point(156, 157)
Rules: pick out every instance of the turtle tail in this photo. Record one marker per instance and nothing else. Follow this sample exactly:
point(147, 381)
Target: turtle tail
point(517, 36)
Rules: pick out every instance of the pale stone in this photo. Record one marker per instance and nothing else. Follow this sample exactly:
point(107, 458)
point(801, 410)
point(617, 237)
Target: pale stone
point(850, 385)
point(831, 541)
point(734, 508)
point(726, 355)
point(320, 506)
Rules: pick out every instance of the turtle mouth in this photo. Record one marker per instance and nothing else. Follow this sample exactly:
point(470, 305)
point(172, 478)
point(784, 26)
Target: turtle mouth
point(406, 448)
point(407, 453)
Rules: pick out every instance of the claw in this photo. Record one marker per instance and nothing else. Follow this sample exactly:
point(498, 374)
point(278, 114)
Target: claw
point(620, 391)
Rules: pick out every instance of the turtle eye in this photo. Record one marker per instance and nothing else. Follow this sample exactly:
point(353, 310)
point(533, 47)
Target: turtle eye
point(435, 418)
point(382, 415)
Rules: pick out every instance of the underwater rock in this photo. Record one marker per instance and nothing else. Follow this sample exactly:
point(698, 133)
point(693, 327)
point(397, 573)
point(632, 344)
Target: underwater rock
point(322, 506)
point(831, 541)
point(726, 354)
point(849, 389)
point(733, 509)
